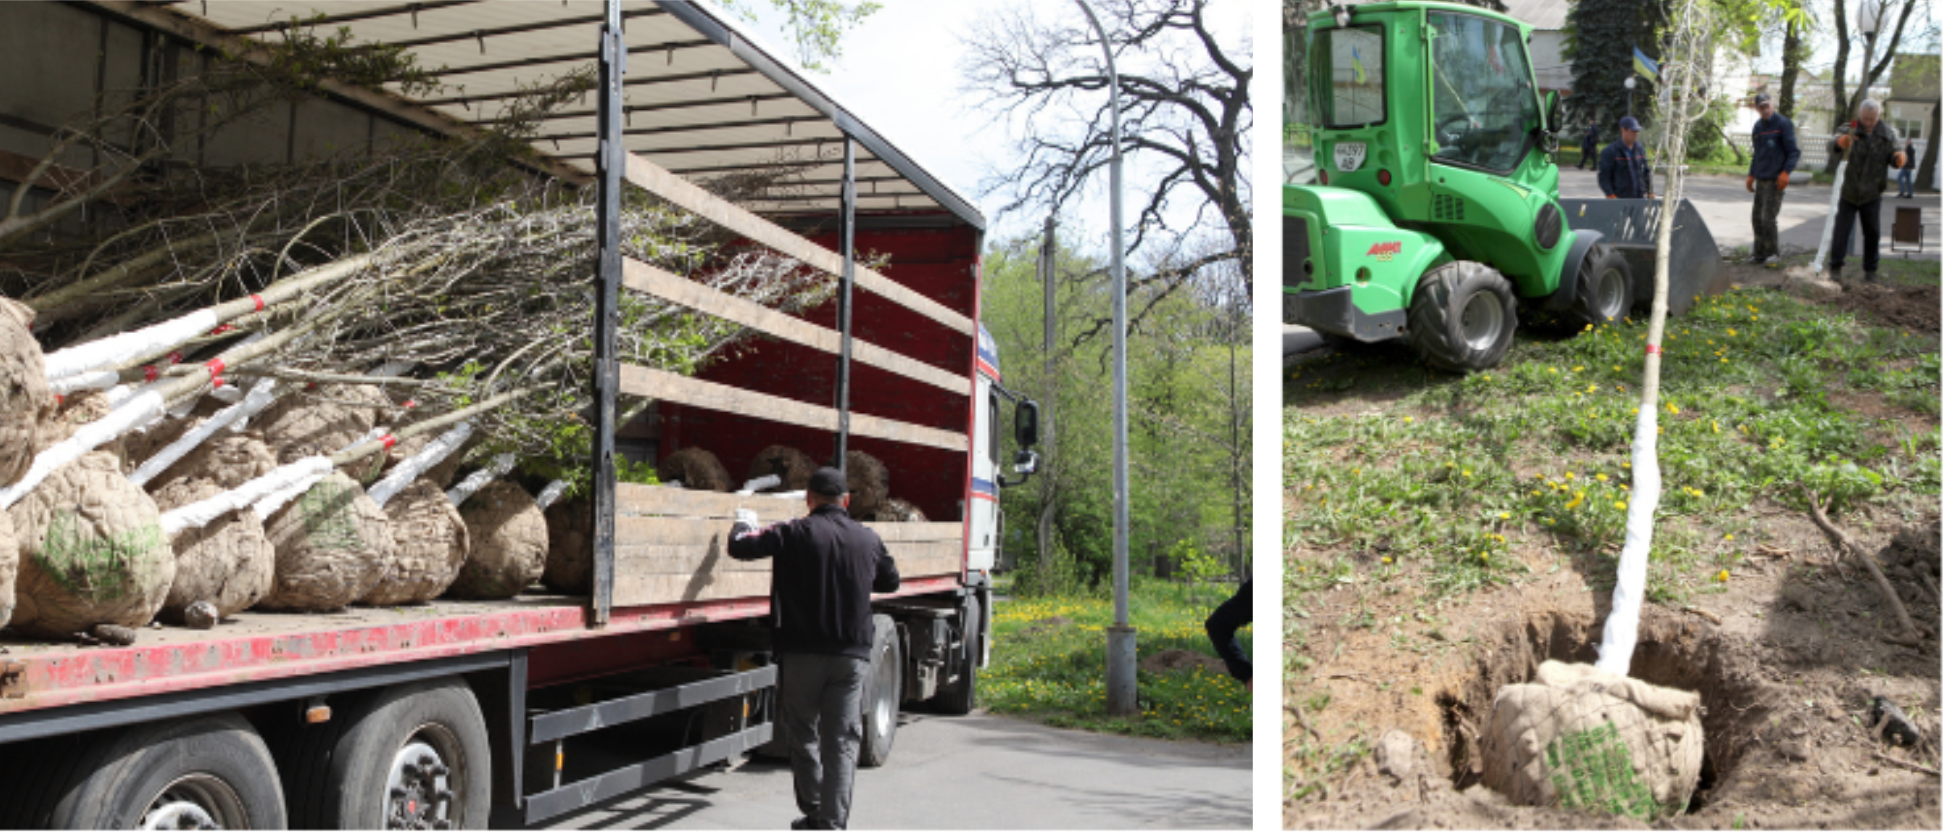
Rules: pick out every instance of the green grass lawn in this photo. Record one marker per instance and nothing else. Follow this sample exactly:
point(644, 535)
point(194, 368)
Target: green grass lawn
point(1056, 672)
point(1448, 478)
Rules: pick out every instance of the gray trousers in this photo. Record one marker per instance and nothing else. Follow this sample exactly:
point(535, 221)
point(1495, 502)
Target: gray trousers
point(822, 703)
point(1768, 206)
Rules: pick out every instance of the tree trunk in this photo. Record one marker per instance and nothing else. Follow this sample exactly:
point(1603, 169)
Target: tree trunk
point(1927, 169)
point(1792, 55)
point(1839, 94)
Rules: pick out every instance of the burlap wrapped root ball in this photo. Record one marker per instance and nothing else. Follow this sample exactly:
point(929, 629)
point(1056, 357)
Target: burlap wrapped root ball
point(1582, 738)
point(431, 543)
point(91, 551)
point(696, 469)
point(139, 446)
point(870, 483)
point(75, 410)
point(895, 510)
point(792, 466)
point(321, 421)
point(330, 543)
point(227, 459)
point(228, 563)
point(509, 537)
point(25, 400)
point(570, 540)
point(9, 566)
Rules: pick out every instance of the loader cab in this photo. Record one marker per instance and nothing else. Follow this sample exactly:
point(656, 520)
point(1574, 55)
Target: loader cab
point(1432, 110)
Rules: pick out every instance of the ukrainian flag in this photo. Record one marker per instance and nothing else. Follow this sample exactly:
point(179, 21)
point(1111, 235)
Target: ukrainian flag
point(1645, 65)
point(1357, 67)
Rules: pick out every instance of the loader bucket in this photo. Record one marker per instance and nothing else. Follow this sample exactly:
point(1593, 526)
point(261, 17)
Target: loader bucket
point(1630, 226)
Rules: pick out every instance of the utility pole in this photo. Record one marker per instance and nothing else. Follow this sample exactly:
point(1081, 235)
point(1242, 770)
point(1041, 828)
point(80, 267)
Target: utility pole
point(1050, 325)
point(1120, 637)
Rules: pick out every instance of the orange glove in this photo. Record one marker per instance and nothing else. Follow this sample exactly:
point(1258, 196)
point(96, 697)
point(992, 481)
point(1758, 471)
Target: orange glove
point(1611, 196)
point(1843, 141)
point(1751, 184)
point(1782, 181)
point(1897, 161)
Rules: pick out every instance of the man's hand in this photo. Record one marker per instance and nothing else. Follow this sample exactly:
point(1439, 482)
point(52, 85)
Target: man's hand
point(1611, 196)
point(1751, 183)
point(745, 523)
point(1843, 141)
point(1650, 196)
point(1782, 181)
point(1897, 161)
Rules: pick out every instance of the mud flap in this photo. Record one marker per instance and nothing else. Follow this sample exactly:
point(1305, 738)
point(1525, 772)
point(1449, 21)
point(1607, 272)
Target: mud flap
point(1630, 225)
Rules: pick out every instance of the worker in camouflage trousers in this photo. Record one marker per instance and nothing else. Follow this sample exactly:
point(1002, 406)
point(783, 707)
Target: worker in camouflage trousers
point(1776, 155)
point(1874, 150)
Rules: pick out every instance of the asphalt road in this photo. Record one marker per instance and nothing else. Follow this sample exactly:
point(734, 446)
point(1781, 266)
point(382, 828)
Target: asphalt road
point(973, 772)
point(1726, 204)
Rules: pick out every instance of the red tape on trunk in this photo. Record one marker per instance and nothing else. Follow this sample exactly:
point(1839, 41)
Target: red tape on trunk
point(388, 441)
point(221, 328)
point(216, 381)
point(214, 366)
point(1653, 350)
point(409, 404)
point(259, 301)
point(149, 373)
point(175, 357)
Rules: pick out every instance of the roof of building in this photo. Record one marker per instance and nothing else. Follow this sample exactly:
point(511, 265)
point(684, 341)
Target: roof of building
point(1539, 14)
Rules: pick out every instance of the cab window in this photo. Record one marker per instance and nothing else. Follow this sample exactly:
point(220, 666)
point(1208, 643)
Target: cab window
point(1347, 76)
point(1484, 107)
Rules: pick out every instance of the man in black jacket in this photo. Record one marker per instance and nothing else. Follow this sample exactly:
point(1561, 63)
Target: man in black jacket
point(826, 566)
point(1625, 172)
point(1590, 144)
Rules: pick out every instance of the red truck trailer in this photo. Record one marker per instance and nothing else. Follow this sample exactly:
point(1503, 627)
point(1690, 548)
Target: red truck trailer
point(456, 713)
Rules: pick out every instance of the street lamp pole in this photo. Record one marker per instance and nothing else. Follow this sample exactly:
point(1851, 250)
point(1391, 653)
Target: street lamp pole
point(1120, 637)
point(1629, 83)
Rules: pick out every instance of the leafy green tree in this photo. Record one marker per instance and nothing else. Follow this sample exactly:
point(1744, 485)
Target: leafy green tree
point(1600, 39)
point(816, 27)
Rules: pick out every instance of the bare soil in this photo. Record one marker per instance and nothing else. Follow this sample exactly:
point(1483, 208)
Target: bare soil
point(1909, 308)
point(1177, 661)
point(1786, 658)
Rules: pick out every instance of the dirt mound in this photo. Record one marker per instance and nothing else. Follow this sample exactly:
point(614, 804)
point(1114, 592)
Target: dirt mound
point(1182, 661)
point(25, 400)
point(570, 534)
point(1909, 308)
point(895, 510)
point(227, 564)
point(870, 483)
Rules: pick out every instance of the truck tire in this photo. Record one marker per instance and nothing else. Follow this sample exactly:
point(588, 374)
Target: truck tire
point(1462, 317)
point(1604, 290)
point(960, 696)
point(883, 693)
point(195, 773)
point(416, 751)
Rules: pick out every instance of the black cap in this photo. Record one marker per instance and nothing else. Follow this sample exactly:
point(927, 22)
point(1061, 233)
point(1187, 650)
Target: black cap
point(829, 482)
point(1761, 98)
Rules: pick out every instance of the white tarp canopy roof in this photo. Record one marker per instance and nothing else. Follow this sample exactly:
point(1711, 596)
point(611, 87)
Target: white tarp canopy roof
point(702, 97)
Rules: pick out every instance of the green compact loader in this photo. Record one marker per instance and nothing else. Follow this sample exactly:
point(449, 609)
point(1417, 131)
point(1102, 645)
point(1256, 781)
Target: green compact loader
point(1438, 213)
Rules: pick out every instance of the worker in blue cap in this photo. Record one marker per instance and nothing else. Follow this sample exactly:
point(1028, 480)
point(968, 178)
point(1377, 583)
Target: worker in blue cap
point(1624, 171)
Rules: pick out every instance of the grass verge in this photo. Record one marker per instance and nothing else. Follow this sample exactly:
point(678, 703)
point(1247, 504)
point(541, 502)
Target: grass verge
point(1467, 481)
point(1049, 664)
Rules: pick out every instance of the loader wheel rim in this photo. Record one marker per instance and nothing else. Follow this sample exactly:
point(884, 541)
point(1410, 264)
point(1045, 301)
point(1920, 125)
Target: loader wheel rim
point(1612, 293)
point(1482, 321)
point(418, 789)
point(196, 801)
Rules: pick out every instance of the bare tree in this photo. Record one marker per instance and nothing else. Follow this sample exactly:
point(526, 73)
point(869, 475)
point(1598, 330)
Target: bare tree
point(1186, 119)
point(1886, 50)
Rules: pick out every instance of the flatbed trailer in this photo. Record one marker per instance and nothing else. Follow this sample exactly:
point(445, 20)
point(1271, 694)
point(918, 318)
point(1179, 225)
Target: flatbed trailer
point(461, 713)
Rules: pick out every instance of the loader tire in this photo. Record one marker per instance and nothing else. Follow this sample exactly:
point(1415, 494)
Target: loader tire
point(1462, 317)
point(1604, 292)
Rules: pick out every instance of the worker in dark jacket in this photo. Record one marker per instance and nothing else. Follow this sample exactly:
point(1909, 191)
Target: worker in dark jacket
point(1776, 155)
point(1874, 151)
point(1590, 144)
point(1907, 175)
point(826, 566)
point(1624, 172)
point(1234, 614)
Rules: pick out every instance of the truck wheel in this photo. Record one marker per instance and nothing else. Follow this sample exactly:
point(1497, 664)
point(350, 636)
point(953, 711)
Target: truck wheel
point(1604, 293)
point(1462, 317)
point(205, 772)
point(883, 693)
point(413, 757)
point(960, 696)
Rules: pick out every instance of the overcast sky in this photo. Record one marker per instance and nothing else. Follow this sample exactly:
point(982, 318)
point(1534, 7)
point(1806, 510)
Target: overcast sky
point(900, 74)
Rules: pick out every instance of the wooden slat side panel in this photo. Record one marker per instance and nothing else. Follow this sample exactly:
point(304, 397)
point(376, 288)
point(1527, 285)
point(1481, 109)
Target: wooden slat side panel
point(658, 384)
point(919, 532)
point(659, 181)
point(668, 286)
point(632, 499)
point(661, 570)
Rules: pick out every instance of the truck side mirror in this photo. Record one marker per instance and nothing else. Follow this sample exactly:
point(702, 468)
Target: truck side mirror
point(1026, 423)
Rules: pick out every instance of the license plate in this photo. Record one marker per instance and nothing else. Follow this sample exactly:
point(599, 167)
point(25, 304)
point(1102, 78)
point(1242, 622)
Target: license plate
point(1349, 156)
